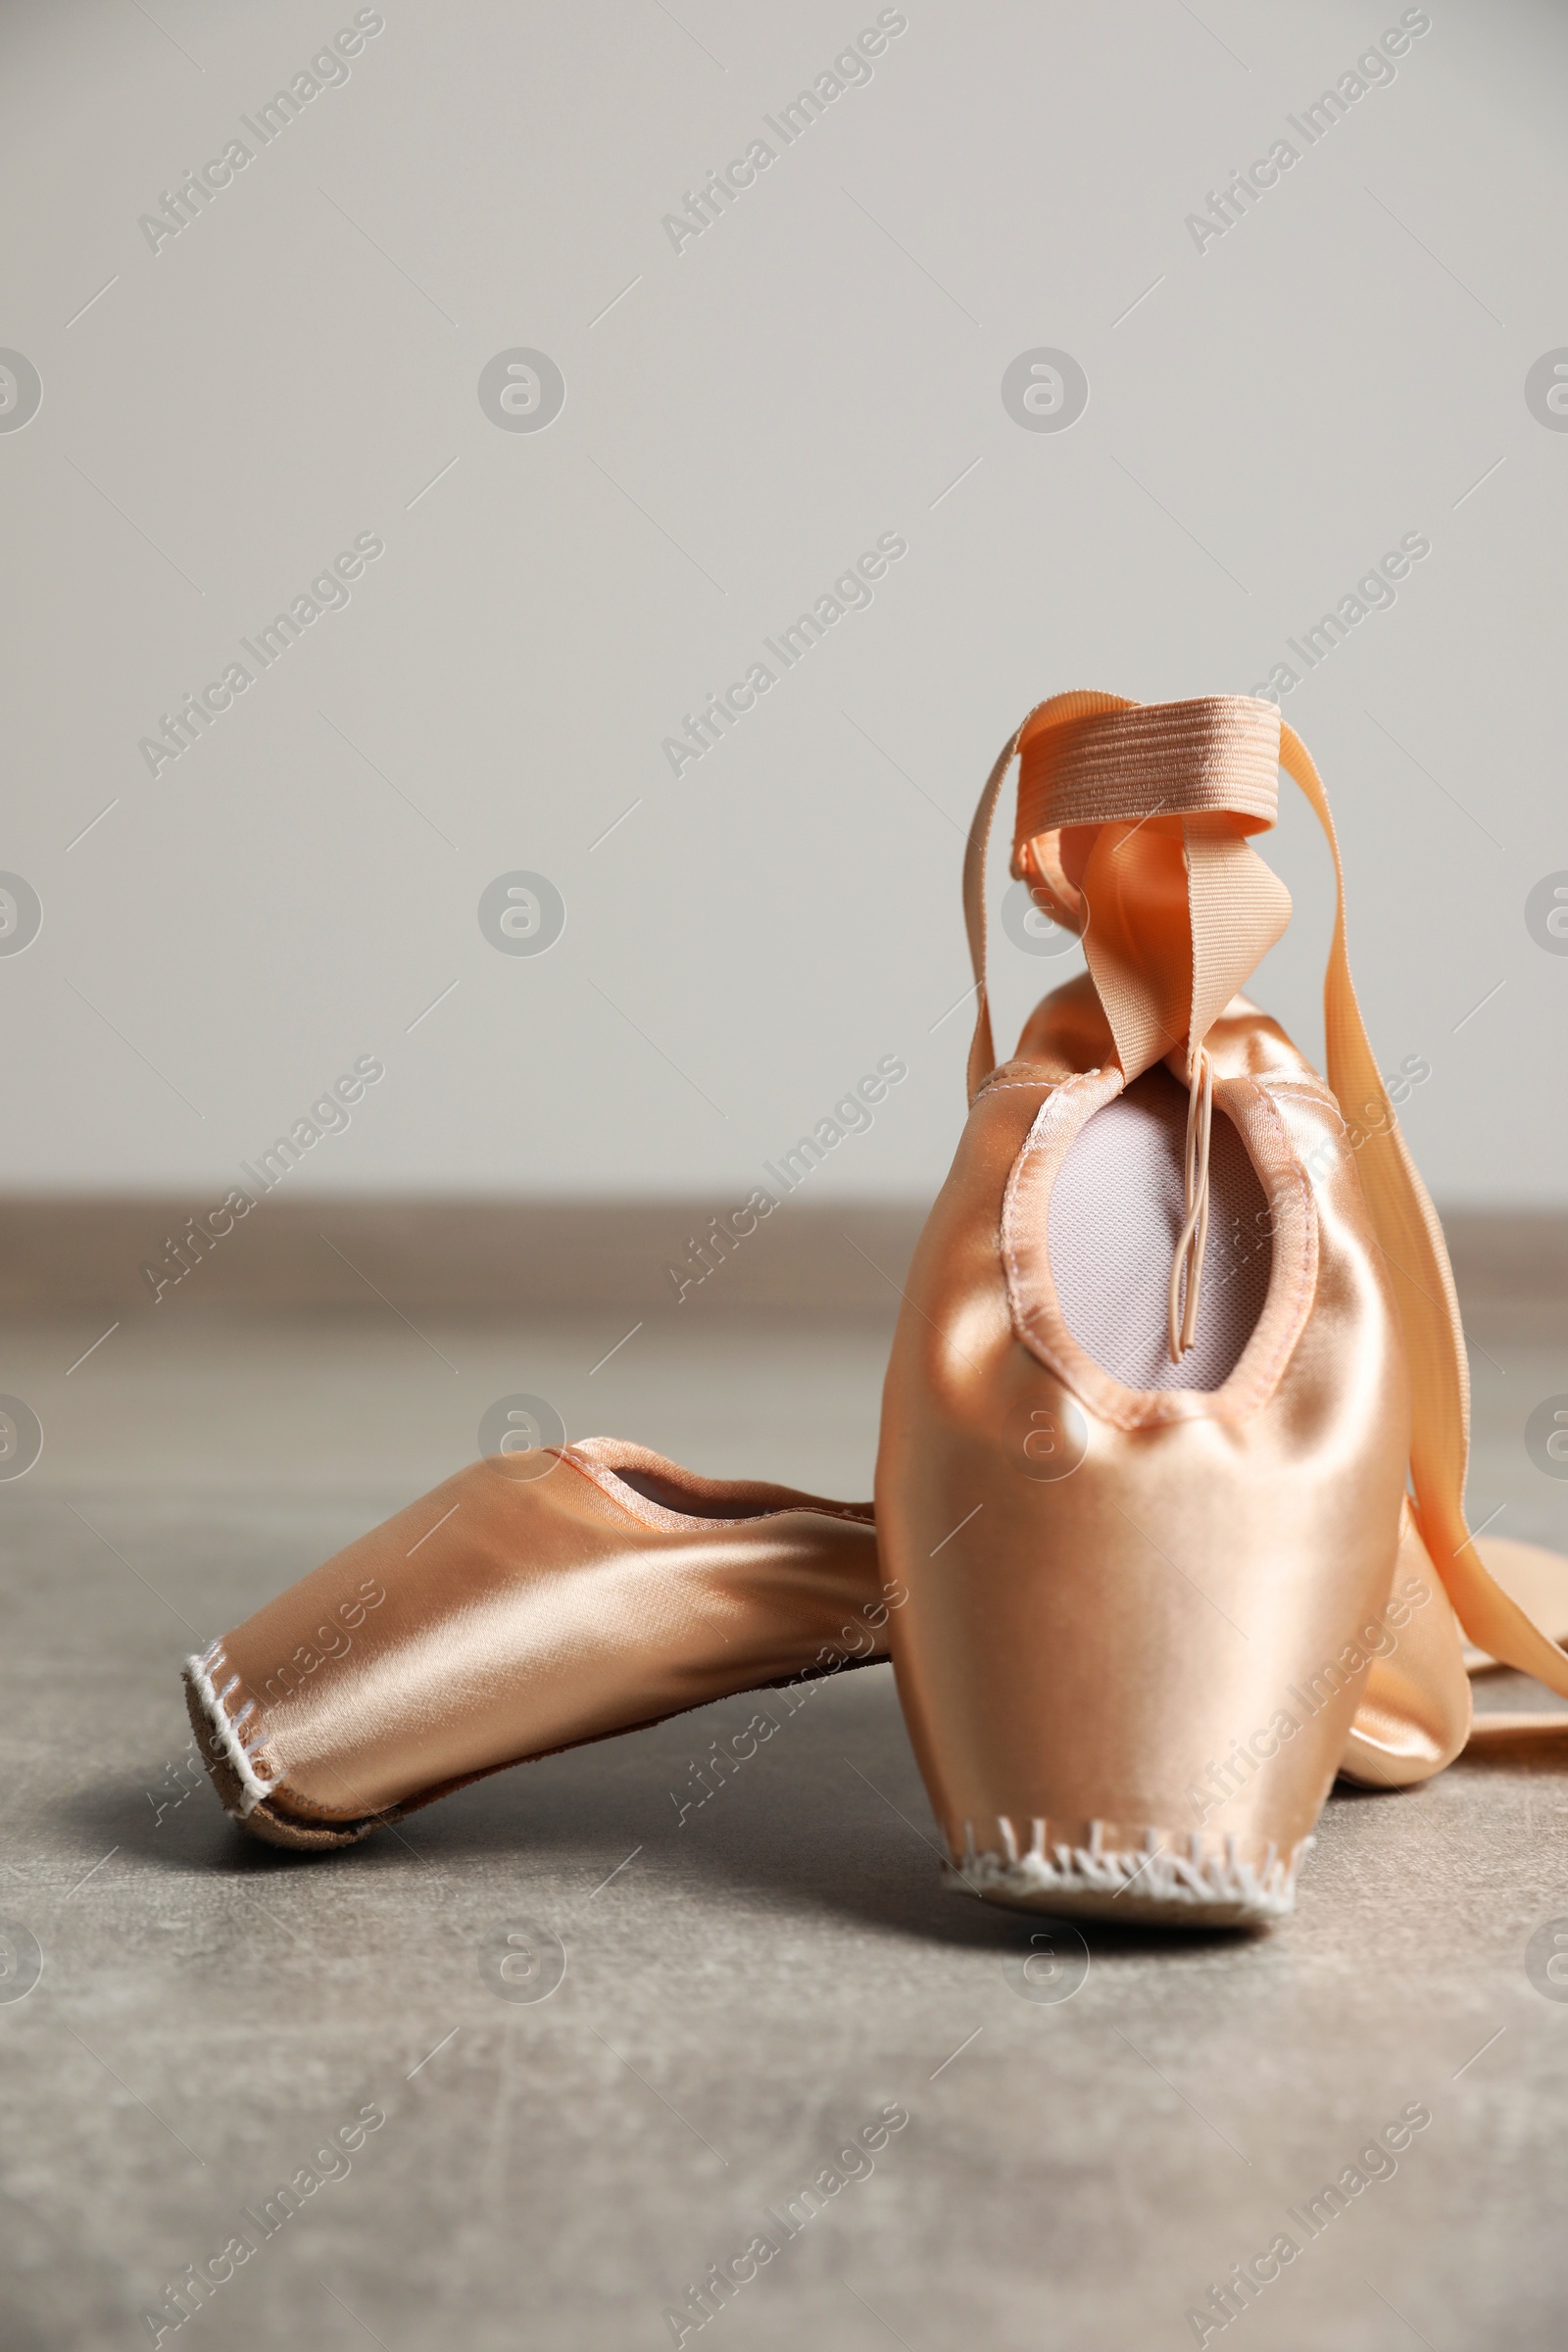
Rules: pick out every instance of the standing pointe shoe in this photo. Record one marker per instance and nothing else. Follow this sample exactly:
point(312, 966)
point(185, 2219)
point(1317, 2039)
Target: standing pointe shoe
point(1171, 1346)
point(532, 1602)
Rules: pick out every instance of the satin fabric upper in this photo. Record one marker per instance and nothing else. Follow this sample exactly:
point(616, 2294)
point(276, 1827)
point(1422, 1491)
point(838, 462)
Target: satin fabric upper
point(1086, 1647)
point(532, 1602)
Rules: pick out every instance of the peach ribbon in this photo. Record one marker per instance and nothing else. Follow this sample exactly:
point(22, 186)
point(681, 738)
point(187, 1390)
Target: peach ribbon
point(1141, 812)
point(1171, 930)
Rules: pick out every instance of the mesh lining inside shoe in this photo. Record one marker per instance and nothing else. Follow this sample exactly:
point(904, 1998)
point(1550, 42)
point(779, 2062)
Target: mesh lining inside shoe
point(1116, 1215)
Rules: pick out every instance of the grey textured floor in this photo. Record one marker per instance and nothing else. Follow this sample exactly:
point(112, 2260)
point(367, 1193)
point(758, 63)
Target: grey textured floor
point(742, 1994)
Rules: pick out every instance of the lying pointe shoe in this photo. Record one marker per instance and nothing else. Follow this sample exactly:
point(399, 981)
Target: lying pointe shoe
point(534, 1601)
point(1171, 1349)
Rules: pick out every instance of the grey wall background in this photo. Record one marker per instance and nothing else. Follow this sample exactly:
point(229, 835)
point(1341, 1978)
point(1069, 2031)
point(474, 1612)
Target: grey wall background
point(300, 365)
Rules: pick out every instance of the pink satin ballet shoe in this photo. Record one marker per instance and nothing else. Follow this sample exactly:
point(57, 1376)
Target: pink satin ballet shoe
point(532, 1602)
point(1173, 1350)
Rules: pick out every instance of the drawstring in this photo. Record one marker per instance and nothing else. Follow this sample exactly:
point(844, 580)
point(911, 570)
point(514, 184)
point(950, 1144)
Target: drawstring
point(1189, 1257)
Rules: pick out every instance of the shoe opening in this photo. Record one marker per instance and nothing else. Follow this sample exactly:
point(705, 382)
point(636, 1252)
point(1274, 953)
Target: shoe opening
point(672, 1496)
point(1117, 1209)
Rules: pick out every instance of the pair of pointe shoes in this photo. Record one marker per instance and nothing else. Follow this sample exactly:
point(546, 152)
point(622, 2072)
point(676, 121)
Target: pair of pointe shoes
point(1170, 1524)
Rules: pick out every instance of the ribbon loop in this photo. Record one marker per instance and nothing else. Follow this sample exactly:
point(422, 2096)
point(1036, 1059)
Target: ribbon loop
point(1143, 811)
point(1127, 762)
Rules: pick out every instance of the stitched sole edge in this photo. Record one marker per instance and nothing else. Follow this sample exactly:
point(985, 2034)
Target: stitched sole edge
point(244, 1789)
point(1157, 1887)
point(243, 1796)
